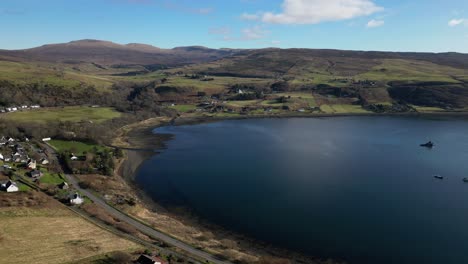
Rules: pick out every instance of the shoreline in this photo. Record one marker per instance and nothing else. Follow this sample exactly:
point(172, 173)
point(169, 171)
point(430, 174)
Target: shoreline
point(143, 138)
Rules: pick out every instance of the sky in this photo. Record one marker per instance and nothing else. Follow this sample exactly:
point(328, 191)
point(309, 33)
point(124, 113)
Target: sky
point(385, 25)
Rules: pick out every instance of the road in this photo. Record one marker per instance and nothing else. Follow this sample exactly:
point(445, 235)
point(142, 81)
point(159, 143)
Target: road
point(142, 227)
point(136, 224)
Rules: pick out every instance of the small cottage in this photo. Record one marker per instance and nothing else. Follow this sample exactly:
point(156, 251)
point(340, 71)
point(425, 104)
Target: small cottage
point(63, 186)
point(76, 199)
point(36, 174)
point(10, 186)
point(32, 164)
point(146, 259)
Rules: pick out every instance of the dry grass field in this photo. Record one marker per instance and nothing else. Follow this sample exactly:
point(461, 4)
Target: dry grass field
point(49, 233)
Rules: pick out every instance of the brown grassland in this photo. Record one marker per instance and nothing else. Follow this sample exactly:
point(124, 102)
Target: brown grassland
point(36, 229)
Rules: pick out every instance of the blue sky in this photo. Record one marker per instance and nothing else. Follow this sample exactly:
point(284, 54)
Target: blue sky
point(393, 25)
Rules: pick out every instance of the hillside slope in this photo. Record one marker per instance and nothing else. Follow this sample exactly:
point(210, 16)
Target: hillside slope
point(109, 53)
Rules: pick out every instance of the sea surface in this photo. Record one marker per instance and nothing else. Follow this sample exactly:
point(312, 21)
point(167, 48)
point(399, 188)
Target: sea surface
point(354, 188)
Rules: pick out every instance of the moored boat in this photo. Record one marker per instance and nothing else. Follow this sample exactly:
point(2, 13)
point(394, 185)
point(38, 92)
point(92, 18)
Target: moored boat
point(429, 144)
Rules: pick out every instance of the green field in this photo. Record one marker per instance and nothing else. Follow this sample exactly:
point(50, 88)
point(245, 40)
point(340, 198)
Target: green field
point(78, 148)
point(22, 73)
point(218, 84)
point(71, 114)
point(428, 109)
point(343, 109)
point(51, 178)
point(184, 108)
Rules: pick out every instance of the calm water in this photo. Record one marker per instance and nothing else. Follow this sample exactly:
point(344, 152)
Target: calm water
point(359, 188)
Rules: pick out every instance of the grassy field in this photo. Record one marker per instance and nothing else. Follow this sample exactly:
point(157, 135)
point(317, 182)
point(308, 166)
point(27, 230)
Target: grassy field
point(428, 109)
point(72, 114)
point(218, 84)
point(184, 108)
point(52, 236)
point(407, 70)
point(19, 72)
point(74, 146)
point(51, 178)
point(343, 109)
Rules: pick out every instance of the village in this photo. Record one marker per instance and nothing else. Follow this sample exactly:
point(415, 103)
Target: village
point(27, 163)
point(18, 108)
point(33, 165)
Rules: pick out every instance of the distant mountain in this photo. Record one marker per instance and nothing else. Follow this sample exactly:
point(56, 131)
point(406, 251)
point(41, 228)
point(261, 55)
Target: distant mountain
point(109, 53)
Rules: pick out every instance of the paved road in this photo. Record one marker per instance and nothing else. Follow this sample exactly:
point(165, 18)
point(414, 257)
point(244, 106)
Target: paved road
point(143, 228)
point(136, 224)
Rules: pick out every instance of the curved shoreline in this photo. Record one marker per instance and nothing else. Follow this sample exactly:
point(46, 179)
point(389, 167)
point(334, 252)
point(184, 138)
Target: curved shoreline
point(145, 134)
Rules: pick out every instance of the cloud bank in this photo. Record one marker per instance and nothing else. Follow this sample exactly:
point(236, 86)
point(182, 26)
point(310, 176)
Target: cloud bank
point(317, 11)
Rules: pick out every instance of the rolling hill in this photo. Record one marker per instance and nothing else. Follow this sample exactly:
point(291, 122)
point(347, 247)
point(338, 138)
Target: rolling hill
point(78, 68)
point(108, 53)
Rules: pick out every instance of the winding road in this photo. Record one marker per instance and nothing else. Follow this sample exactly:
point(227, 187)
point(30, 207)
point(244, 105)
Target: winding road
point(137, 224)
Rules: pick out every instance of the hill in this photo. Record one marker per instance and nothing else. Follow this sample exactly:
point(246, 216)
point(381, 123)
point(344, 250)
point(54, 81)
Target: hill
point(68, 73)
point(108, 53)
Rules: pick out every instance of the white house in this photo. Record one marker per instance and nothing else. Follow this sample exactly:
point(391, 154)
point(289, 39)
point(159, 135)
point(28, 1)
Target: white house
point(76, 199)
point(32, 164)
point(73, 157)
point(10, 186)
point(44, 161)
point(46, 139)
point(144, 259)
point(1, 156)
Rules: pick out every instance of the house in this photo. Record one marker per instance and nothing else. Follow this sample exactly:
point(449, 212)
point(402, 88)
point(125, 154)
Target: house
point(32, 164)
point(73, 157)
point(44, 161)
point(36, 174)
point(35, 106)
point(146, 259)
point(1, 156)
point(63, 186)
point(10, 186)
point(76, 199)
point(46, 139)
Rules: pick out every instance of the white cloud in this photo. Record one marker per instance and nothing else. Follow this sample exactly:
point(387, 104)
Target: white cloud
point(457, 22)
point(317, 11)
point(255, 32)
point(250, 17)
point(375, 23)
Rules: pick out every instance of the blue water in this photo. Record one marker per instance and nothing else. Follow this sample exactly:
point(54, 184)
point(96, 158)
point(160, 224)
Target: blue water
point(356, 188)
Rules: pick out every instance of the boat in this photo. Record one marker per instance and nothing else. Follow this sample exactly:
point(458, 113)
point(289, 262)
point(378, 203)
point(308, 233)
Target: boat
point(428, 144)
point(439, 177)
point(465, 179)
